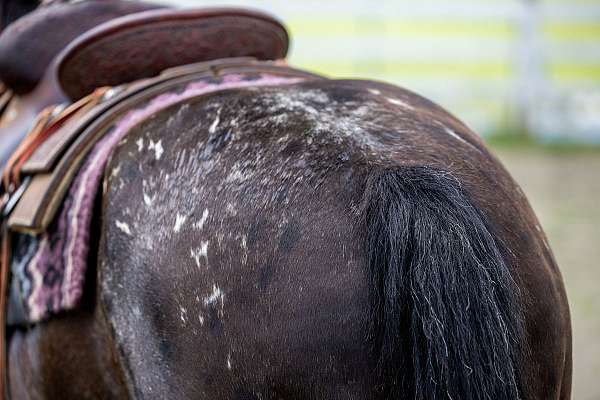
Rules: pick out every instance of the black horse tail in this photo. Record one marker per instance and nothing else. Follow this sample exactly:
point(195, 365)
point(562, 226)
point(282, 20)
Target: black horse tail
point(446, 320)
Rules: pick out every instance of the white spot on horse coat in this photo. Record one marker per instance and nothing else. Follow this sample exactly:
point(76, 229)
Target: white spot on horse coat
point(217, 296)
point(229, 361)
point(157, 147)
point(213, 126)
point(200, 223)
point(546, 245)
point(140, 144)
point(374, 91)
point(454, 135)
point(200, 252)
point(147, 200)
point(519, 191)
point(123, 227)
point(179, 221)
point(115, 171)
point(230, 209)
point(136, 311)
point(244, 246)
point(183, 315)
point(399, 102)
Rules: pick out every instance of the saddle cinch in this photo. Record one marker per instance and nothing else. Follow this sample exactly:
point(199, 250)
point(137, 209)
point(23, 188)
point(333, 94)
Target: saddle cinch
point(104, 82)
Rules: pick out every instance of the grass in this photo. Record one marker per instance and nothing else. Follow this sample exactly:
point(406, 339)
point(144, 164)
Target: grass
point(522, 142)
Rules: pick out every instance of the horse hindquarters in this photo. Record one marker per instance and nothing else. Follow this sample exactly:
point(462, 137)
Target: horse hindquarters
point(437, 275)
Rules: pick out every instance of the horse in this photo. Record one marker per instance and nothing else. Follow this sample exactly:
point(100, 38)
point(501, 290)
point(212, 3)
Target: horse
point(304, 238)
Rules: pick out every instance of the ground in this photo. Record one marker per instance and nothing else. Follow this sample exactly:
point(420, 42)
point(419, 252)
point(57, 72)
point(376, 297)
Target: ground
point(564, 190)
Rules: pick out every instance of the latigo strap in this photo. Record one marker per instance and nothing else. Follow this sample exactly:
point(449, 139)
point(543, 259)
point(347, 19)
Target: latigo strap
point(47, 124)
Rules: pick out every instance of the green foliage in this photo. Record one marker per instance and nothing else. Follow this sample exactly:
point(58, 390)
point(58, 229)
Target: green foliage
point(520, 141)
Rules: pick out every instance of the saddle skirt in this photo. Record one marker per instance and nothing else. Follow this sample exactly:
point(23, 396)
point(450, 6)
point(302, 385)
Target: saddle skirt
point(50, 223)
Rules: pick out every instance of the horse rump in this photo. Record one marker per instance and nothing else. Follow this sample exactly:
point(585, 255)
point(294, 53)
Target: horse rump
point(446, 321)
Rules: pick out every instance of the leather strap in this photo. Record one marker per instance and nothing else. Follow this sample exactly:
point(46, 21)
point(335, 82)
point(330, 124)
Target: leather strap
point(38, 127)
point(45, 126)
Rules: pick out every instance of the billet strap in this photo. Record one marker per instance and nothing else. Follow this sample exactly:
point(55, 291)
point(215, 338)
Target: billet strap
point(7, 174)
point(47, 123)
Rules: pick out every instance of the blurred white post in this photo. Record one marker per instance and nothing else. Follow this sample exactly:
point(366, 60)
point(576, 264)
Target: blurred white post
point(529, 65)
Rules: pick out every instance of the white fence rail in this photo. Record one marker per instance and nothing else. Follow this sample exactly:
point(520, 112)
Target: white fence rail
point(498, 65)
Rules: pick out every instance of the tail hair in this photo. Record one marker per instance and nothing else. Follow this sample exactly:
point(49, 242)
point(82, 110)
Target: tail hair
point(446, 318)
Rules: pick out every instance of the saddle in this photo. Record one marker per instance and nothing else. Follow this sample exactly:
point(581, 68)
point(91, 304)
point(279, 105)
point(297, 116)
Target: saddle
point(103, 82)
point(42, 34)
point(116, 52)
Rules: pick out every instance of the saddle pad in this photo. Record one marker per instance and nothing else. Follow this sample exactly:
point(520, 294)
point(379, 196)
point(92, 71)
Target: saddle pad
point(49, 270)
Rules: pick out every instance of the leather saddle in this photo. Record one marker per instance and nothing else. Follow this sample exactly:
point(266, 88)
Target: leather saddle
point(42, 34)
point(130, 47)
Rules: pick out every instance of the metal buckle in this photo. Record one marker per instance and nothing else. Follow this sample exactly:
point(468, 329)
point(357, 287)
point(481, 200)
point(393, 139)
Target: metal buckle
point(57, 109)
point(11, 199)
point(112, 92)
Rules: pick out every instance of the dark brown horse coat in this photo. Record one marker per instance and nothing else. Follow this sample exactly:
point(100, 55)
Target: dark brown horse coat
point(236, 264)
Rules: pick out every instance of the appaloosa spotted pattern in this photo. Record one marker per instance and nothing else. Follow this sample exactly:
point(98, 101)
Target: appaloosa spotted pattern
point(51, 277)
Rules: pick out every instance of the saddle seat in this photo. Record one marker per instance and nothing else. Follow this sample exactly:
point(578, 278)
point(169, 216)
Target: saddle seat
point(142, 45)
point(43, 33)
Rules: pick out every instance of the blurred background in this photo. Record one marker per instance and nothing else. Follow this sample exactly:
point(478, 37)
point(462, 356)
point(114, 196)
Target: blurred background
point(524, 74)
point(503, 66)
